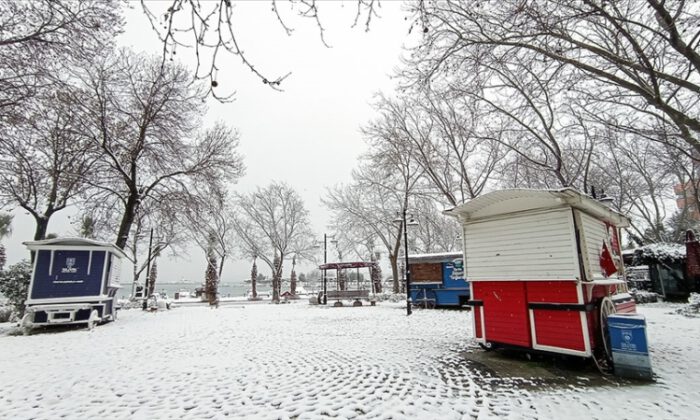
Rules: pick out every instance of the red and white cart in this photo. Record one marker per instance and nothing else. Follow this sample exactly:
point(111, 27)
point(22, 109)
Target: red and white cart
point(545, 270)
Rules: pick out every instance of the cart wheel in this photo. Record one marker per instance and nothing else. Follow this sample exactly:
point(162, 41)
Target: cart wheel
point(426, 299)
point(486, 346)
point(92, 321)
point(26, 324)
point(607, 307)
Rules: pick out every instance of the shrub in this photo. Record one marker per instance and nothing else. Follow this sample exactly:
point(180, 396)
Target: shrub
point(5, 313)
point(14, 284)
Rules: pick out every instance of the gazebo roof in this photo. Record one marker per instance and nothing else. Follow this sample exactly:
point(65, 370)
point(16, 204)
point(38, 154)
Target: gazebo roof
point(343, 265)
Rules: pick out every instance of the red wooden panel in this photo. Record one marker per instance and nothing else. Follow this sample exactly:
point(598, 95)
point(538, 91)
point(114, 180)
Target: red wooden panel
point(552, 291)
point(599, 292)
point(593, 327)
point(559, 329)
point(477, 322)
point(505, 311)
point(626, 308)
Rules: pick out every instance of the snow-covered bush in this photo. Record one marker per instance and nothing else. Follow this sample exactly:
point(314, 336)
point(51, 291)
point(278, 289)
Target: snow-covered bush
point(5, 313)
point(14, 284)
point(390, 297)
point(692, 309)
point(644, 296)
point(666, 252)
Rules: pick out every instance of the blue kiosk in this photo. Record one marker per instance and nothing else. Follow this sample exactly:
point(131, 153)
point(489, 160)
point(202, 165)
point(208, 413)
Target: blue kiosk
point(74, 281)
point(438, 280)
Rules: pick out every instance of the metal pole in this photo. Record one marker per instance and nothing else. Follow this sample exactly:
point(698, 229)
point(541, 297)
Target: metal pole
point(148, 270)
point(325, 289)
point(408, 269)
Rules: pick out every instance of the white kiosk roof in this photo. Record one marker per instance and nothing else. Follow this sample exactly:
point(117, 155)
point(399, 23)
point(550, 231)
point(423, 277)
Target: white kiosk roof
point(504, 202)
point(73, 243)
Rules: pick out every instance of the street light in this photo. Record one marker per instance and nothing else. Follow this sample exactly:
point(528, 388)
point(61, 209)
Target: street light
point(325, 260)
point(405, 224)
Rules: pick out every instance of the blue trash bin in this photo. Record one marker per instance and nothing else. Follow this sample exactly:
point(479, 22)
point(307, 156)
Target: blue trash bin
point(628, 340)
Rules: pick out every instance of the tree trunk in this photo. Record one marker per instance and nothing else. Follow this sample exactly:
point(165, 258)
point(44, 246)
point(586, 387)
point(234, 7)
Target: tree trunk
point(277, 278)
point(127, 220)
point(394, 272)
point(42, 225)
point(275, 289)
point(277, 283)
point(221, 266)
point(254, 286)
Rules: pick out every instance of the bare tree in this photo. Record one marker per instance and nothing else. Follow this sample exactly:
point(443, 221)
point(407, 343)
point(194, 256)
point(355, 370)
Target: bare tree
point(639, 58)
point(161, 213)
point(41, 38)
point(46, 158)
point(208, 219)
point(435, 232)
point(639, 177)
point(209, 28)
point(439, 134)
point(272, 222)
point(367, 209)
point(144, 117)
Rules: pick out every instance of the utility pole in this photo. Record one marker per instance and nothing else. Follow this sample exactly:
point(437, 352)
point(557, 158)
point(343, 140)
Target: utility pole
point(325, 260)
point(408, 267)
point(148, 271)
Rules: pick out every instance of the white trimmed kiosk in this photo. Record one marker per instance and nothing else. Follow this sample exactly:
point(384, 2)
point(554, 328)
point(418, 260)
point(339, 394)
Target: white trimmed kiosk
point(74, 281)
point(545, 270)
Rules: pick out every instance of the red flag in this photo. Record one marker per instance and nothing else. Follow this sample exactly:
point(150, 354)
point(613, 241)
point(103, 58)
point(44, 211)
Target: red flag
point(607, 265)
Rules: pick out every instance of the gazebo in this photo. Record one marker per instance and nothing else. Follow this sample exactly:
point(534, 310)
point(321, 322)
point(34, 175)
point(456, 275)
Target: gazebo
point(345, 290)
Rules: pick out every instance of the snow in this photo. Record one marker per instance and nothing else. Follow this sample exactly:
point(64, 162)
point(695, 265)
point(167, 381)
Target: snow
point(307, 362)
point(661, 251)
point(437, 257)
point(692, 309)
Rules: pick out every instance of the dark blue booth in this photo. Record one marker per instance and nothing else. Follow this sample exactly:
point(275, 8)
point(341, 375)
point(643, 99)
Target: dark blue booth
point(74, 280)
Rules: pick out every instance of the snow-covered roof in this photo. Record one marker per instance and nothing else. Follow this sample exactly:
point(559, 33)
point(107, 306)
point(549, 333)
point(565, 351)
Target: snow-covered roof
point(344, 265)
point(504, 202)
point(661, 252)
point(437, 257)
point(71, 242)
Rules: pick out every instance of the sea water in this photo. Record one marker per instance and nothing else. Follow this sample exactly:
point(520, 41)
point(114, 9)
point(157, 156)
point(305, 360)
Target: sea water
point(225, 289)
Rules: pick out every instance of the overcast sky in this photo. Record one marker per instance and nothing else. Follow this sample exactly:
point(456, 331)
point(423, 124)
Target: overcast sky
point(308, 135)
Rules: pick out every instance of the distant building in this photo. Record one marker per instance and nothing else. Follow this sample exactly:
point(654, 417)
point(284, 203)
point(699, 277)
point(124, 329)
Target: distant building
point(684, 199)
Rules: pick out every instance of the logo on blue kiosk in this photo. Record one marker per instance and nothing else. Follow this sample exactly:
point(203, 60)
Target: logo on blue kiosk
point(627, 343)
point(69, 268)
point(457, 269)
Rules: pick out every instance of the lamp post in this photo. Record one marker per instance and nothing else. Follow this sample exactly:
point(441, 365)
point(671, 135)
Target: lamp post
point(405, 225)
point(148, 272)
point(325, 260)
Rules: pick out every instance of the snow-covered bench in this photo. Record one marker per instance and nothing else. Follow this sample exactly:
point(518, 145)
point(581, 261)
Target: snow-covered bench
point(339, 295)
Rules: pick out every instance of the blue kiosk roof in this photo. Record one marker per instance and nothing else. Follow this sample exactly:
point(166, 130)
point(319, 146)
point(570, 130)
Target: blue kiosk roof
point(434, 258)
point(78, 243)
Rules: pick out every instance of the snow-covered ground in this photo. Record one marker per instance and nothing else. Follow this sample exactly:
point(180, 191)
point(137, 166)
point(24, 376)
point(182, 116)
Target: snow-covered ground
point(301, 361)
